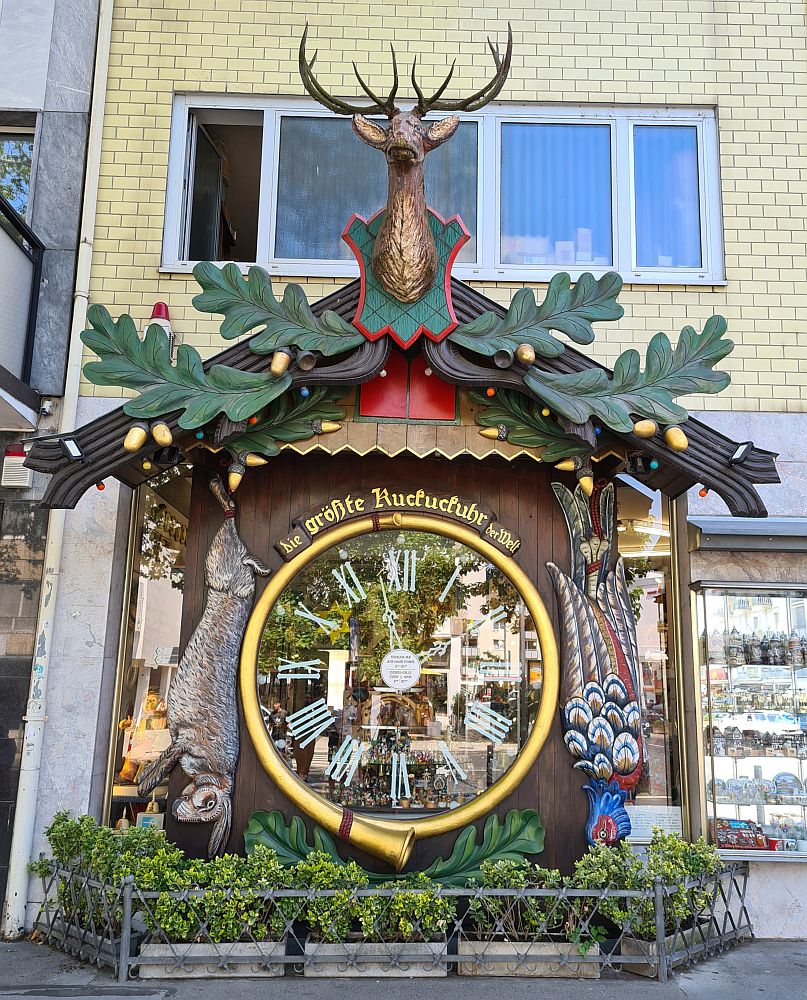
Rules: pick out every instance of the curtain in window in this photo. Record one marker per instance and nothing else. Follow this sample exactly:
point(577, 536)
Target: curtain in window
point(326, 174)
point(556, 195)
point(665, 164)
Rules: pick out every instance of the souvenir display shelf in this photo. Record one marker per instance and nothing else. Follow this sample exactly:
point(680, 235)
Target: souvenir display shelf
point(753, 647)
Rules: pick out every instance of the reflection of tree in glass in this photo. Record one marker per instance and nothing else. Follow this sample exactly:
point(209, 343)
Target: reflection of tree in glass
point(418, 614)
point(156, 557)
point(15, 171)
point(22, 546)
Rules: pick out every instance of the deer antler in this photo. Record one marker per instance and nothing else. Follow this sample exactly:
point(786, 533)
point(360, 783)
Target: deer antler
point(321, 96)
point(475, 101)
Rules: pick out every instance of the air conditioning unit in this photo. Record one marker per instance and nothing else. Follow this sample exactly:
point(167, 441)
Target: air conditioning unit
point(15, 475)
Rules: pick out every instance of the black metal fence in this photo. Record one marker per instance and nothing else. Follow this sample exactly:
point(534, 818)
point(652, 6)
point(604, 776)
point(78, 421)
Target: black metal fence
point(344, 932)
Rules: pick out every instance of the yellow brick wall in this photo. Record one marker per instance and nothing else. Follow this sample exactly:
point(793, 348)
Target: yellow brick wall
point(747, 59)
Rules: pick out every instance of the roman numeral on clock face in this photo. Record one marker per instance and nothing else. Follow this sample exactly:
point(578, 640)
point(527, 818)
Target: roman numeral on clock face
point(492, 725)
point(350, 584)
point(401, 566)
point(324, 623)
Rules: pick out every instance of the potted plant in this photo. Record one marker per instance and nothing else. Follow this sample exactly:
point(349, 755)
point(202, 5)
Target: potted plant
point(397, 931)
point(688, 872)
point(223, 924)
point(528, 934)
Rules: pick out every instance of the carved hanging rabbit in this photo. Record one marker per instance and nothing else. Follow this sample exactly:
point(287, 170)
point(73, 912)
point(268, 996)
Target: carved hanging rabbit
point(202, 705)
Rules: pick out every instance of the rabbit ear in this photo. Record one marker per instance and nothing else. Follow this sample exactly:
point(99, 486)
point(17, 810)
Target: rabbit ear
point(221, 828)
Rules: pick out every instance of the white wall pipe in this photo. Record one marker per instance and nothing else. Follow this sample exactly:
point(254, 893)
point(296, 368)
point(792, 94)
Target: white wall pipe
point(14, 908)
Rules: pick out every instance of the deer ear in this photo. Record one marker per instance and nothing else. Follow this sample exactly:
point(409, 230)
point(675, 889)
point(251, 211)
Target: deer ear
point(369, 132)
point(438, 132)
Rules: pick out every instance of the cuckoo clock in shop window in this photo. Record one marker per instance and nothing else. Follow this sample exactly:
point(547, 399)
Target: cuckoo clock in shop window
point(408, 390)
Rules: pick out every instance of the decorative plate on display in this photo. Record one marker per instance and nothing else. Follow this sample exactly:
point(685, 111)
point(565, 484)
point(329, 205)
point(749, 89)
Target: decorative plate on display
point(765, 787)
point(788, 784)
point(737, 788)
point(719, 788)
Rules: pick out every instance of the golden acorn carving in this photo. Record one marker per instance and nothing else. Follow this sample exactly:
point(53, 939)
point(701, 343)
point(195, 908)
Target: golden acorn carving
point(135, 438)
point(645, 428)
point(586, 484)
point(676, 439)
point(251, 460)
point(234, 476)
point(492, 433)
point(326, 427)
point(280, 362)
point(161, 433)
point(525, 354)
point(567, 465)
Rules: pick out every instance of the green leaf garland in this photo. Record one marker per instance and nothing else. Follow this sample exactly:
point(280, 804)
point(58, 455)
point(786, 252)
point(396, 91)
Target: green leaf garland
point(287, 419)
point(631, 392)
point(567, 308)
point(526, 426)
point(248, 303)
point(165, 387)
point(521, 834)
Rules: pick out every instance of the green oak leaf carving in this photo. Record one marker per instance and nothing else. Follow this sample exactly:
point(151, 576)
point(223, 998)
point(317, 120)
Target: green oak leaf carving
point(289, 419)
point(525, 425)
point(567, 308)
point(521, 834)
point(669, 372)
point(248, 303)
point(165, 387)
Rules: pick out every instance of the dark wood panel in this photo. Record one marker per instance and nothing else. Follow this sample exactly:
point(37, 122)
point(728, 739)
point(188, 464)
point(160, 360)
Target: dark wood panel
point(519, 493)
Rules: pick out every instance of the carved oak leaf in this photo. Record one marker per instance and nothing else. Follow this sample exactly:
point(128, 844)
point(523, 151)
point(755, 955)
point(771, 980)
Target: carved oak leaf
point(248, 303)
point(526, 426)
point(631, 392)
point(289, 419)
point(567, 308)
point(165, 387)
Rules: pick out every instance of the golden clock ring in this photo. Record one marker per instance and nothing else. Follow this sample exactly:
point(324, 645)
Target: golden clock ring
point(392, 840)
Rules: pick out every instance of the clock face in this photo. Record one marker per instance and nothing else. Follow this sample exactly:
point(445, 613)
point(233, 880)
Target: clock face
point(398, 673)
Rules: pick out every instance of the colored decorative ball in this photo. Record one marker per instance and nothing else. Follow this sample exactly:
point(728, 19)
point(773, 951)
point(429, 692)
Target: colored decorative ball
point(704, 492)
point(146, 465)
point(654, 463)
point(305, 392)
point(100, 486)
point(252, 420)
point(545, 412)
point(598, 431)
point(200, 435)
point(490, 391)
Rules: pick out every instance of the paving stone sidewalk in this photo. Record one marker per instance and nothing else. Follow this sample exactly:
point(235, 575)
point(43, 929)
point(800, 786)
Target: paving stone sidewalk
point(759, 968)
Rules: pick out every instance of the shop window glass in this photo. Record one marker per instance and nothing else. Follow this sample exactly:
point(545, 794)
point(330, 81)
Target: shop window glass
point(753, 655)
point(643, 532)
point(152, 639)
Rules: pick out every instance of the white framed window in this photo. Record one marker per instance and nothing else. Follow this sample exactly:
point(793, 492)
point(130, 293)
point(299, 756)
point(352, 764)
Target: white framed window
point(541, 189)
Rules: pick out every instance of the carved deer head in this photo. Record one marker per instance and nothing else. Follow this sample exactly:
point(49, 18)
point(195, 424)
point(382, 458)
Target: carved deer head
point(404, 258)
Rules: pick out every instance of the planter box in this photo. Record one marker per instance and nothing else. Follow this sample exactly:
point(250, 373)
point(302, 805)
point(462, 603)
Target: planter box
point(551, 959)
point(633, 946)
point(369, 959)
point(98, 951)
point(211, 961)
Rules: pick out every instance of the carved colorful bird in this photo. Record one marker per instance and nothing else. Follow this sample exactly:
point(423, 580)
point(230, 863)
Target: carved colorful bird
point(600, 683)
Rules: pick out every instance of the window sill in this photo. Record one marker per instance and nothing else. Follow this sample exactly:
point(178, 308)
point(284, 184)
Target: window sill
point(781, 857)
point(465, 272)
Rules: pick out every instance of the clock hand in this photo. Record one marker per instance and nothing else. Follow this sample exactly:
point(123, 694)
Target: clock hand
point(493, 616)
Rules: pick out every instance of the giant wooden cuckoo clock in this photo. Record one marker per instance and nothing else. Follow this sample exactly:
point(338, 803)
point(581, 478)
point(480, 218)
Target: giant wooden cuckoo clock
point(354, 678)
